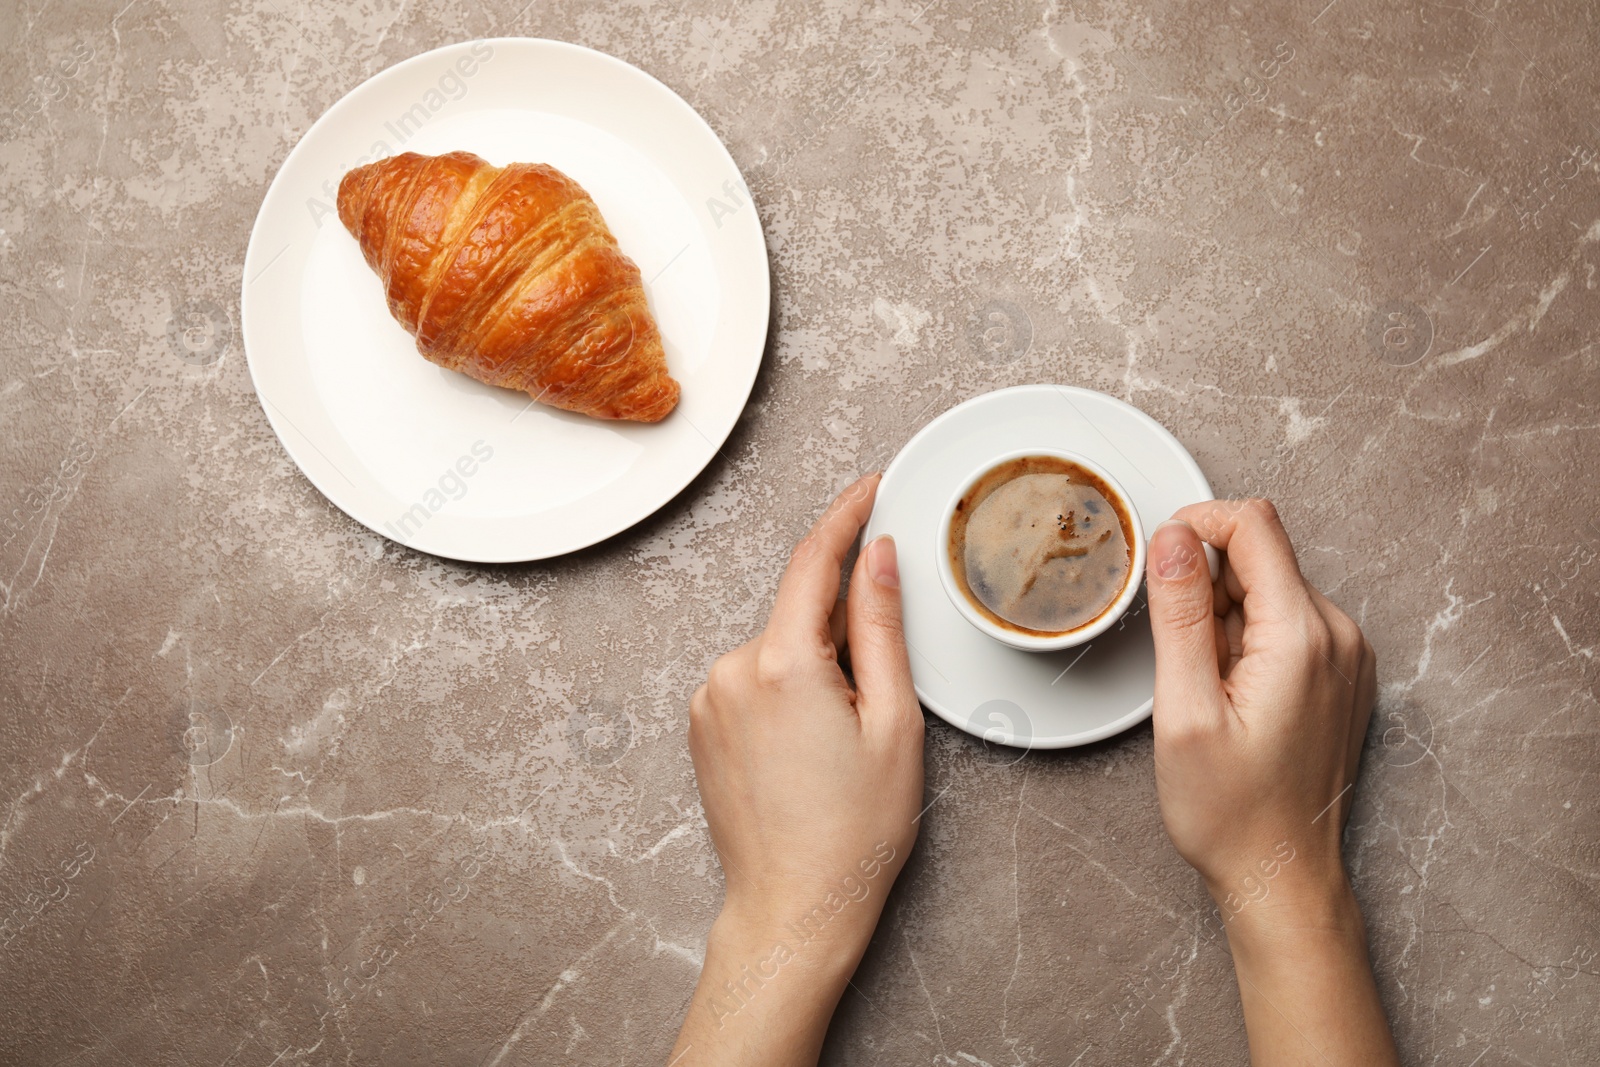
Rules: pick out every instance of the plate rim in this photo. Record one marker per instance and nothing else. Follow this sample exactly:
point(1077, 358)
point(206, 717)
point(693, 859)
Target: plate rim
point(714, 441)
point(1059, 741)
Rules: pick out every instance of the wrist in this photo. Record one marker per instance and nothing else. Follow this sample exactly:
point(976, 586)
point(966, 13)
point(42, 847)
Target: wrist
point(1279, 885)
point(814, 939)
point(762, 972)
point(1306, 982)
point(1294, 920)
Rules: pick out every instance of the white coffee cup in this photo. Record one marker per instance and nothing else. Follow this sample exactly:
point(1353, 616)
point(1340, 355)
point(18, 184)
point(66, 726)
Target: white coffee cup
point(1031, 641)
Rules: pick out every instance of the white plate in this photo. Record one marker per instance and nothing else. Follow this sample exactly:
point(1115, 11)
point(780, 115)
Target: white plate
point(1028, 699)
point(400, 444)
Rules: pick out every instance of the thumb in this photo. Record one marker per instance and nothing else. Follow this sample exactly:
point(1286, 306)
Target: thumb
point(878, 656)
point(1183, 622)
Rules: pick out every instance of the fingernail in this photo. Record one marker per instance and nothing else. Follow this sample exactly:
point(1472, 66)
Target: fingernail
point(1172, 551)
point(881, 562)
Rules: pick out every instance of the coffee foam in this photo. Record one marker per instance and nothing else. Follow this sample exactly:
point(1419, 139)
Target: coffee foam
point(1041, 546)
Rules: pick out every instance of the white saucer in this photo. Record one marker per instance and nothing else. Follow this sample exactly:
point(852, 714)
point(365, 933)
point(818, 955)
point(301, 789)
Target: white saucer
point(433, 459)
point(1028, 699)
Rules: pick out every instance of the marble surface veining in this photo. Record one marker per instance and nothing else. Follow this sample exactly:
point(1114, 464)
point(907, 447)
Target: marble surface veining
point(276, 791)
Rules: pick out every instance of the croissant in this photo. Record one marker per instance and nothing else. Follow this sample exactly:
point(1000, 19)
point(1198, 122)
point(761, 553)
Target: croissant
point(510, 275)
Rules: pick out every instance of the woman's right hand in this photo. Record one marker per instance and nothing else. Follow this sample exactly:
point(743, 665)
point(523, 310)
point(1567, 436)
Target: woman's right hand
point(1263, 691)
point(1262, 696)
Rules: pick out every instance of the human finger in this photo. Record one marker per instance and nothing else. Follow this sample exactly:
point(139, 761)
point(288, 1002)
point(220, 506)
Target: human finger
point(1260, 554)
point(878, 657)
point(810, 584)
point(1183, 623)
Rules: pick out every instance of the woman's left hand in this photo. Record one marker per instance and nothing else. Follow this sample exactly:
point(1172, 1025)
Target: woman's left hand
point(811, 787)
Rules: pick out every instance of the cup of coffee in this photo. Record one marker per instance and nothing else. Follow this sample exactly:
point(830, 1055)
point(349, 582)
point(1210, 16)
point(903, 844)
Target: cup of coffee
point(1041, 549)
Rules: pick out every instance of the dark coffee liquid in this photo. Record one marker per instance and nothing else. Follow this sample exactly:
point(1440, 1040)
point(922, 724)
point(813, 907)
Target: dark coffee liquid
point(1041, 545)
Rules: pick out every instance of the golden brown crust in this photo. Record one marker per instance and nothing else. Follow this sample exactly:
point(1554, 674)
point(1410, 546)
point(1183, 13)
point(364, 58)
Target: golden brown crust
point(510, 275)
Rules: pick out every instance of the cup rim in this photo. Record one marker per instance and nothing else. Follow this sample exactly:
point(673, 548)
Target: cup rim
point(1030, 642)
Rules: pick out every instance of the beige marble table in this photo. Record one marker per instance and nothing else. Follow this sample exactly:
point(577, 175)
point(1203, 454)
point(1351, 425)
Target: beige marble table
point(274, 790)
